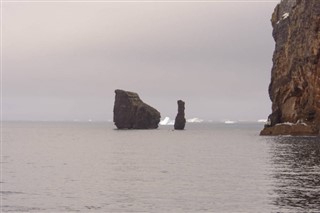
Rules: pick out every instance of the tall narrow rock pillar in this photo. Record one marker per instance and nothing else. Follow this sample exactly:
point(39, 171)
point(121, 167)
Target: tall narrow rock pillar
point(180, 120)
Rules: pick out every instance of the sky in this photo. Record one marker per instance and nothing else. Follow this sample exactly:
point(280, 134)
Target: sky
point(63, 60)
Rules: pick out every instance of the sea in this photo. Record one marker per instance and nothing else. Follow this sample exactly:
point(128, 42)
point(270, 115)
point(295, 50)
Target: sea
point(208, 167)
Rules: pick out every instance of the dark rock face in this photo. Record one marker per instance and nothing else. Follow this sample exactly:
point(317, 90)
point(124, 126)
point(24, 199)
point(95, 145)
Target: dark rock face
point(180, 120)
point(130, 112)
point(295, 77)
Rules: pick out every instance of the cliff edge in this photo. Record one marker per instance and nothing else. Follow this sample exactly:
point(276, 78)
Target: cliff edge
point(295, 77)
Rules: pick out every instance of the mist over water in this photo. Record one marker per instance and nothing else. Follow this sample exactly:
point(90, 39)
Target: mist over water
point(91, 167)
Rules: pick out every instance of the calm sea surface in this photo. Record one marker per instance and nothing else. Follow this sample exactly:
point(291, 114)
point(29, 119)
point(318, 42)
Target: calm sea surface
point(91, 167)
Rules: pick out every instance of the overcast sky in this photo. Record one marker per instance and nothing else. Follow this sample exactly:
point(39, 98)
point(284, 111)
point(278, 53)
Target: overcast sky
point(63, 61)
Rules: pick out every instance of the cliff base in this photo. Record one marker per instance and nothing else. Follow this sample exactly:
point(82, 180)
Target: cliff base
point(290, 129)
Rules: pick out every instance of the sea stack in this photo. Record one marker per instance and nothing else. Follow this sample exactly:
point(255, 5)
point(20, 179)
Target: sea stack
point(295, 77)
point(180, 120)
point(130, 112)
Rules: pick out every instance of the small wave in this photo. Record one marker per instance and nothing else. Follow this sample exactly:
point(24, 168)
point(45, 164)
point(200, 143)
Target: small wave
point(10, 192)
point(8, 208)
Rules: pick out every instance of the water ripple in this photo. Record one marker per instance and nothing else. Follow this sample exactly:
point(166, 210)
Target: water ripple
point(296, 171)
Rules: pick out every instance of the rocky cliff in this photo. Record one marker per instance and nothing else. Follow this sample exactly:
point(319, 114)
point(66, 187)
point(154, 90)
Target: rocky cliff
point(295, 77)
point(180, 120)
point(130, 112)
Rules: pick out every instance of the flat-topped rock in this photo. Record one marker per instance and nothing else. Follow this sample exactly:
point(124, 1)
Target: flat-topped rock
point(130, 112)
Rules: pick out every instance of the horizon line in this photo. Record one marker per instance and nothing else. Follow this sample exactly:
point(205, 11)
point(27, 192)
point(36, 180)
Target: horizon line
point(141, 1)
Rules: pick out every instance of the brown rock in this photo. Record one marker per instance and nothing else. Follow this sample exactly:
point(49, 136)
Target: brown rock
point(130, 112)
point(180, 120)
point(295, 77)
point(293, 129)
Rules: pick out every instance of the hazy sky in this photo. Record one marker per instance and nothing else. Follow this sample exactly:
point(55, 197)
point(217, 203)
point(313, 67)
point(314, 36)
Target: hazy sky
point(63, 61)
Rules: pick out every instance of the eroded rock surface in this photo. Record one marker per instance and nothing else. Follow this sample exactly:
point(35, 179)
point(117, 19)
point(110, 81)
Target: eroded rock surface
point(290, 129)
point(180, 120)
point(295, 77)
point(130, 112)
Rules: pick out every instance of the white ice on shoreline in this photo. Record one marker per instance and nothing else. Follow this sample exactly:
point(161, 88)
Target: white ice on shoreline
point(262, 120)
point(291, 124)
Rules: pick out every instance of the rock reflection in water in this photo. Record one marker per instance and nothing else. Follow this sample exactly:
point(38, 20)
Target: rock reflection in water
point(296, 173)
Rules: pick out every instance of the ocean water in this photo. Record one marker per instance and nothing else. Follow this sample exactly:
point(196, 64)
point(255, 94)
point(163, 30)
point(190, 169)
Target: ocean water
point(91, 167)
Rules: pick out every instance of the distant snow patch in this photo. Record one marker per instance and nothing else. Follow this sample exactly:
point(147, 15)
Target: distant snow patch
point(166, 121)
point(262, 121)
point(194, 120)
point(285, 15)
point(229, 122)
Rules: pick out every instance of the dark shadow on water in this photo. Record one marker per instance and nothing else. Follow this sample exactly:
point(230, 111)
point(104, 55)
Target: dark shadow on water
point(296, 173)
